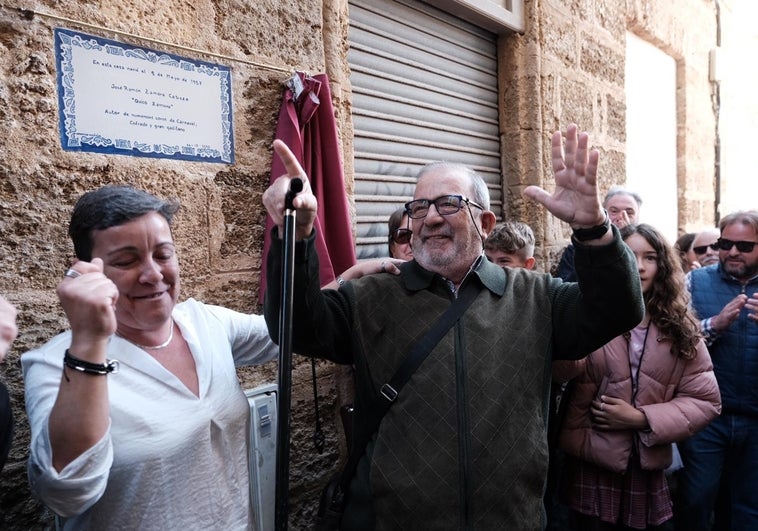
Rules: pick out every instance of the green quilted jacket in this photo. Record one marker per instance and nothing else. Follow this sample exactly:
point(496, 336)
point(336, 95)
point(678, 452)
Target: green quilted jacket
point(464, 445)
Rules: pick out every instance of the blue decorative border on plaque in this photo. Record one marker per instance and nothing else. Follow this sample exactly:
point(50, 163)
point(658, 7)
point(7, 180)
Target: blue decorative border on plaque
point(73, 140)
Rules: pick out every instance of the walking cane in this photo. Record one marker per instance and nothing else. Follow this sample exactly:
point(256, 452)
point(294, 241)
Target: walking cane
point(285, 359)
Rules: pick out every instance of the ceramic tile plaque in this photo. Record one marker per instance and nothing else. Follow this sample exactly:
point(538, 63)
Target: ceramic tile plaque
point(117, 99)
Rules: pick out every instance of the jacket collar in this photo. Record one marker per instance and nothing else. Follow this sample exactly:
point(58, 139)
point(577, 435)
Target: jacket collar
point(726, 276)
point(491, 276)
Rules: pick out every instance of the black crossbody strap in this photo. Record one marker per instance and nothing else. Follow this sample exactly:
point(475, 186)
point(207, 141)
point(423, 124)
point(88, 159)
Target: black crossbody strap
point(421, 350)
point(412, 362)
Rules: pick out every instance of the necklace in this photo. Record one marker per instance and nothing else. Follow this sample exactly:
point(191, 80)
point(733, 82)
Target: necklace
point(155, 347)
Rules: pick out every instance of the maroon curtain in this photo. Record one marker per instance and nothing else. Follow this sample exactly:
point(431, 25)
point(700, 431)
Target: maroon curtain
point(307, 126)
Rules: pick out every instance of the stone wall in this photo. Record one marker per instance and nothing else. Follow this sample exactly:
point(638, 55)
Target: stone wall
point(219, 231)
point(737, 106)
point(567, 66)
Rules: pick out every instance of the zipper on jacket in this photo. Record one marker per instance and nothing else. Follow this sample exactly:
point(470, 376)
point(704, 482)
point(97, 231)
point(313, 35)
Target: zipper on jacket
point(465, 519)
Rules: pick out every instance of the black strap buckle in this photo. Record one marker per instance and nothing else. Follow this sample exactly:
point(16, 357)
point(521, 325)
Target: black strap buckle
point(388, 392)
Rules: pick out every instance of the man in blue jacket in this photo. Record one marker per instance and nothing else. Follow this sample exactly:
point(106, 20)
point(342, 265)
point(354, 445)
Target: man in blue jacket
point(721, 462)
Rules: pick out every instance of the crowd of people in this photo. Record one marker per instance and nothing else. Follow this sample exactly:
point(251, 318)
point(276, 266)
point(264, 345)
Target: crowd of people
point(636, 400)
point(668, 443)
point(636, 358)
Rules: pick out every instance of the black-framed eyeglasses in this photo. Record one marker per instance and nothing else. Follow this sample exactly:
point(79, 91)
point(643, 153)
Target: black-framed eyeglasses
point(702, 249)
point(401, 236)
point(743, 246)
point(445, 205)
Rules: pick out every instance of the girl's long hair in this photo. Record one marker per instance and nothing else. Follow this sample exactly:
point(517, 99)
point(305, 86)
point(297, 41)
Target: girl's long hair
point(668, 301)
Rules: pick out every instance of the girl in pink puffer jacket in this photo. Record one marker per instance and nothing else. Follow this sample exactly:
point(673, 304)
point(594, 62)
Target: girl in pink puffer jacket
point(633, 398)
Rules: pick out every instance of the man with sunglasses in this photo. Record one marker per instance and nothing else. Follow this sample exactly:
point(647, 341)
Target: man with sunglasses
point(706, 247)
point(463, 444)
point(399, 235)
point(721, 462)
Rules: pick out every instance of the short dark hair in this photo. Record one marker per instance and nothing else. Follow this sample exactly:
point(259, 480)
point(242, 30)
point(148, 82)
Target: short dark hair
point(111, 206)
point(511, 237)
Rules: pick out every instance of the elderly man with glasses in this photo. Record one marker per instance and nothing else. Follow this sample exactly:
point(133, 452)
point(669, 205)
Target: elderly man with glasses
point(463, 444)
point(721, 462)
point(706, 247)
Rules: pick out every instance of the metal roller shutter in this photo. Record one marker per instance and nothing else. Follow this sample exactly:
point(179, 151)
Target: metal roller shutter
point(424, 89)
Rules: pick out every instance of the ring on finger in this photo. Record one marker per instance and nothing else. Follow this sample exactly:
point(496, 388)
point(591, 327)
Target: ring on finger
point(384, 269)
point(72, 273)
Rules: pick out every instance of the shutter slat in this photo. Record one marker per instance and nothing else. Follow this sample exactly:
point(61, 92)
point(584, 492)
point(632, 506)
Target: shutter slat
point(424, 89)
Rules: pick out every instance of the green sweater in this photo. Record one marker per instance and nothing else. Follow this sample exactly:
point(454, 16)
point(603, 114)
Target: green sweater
point(464, 445)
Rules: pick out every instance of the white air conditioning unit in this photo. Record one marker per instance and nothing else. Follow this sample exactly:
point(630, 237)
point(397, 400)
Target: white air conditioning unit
point(263, 426)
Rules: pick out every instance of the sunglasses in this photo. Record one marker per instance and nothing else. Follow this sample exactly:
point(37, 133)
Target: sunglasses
point(702, 249)
point(743, 247)
point(401, 236)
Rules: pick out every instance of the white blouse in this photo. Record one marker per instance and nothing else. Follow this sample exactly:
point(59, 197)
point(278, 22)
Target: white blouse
point(170, 459)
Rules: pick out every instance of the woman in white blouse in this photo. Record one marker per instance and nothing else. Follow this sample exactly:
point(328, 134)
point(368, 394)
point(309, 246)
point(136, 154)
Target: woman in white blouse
point(138, 420)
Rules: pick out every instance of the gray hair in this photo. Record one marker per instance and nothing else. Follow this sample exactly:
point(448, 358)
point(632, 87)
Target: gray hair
point(620, 190)
point(479, 192)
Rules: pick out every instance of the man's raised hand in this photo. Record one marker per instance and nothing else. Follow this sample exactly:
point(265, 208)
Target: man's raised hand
point(575, 199)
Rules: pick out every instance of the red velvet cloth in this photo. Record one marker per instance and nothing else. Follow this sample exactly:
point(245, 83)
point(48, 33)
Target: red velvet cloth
point(308, 127)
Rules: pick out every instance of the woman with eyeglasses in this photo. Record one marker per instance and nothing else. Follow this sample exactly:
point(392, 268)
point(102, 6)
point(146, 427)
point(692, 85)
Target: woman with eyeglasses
point(632, 398)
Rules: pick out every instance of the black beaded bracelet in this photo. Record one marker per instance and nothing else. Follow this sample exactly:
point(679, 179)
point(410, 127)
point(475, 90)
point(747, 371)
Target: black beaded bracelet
point(101, 369)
